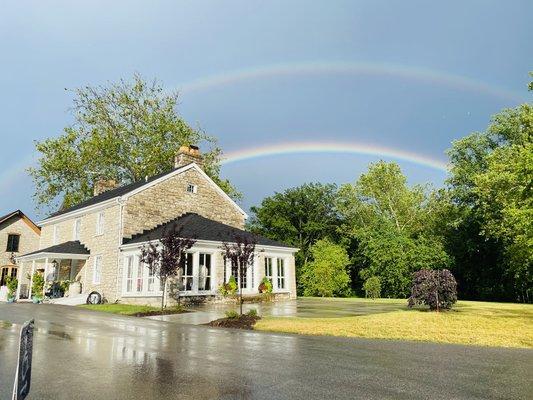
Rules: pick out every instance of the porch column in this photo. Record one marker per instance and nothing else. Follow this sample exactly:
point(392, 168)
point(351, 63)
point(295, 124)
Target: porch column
point(31, 278)
point(17, 296)
point(45, 275)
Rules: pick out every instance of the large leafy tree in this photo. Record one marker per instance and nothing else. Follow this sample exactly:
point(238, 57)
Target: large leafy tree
point(387, 223)
point(123, 131)
point(299, 217)
point(491, 187)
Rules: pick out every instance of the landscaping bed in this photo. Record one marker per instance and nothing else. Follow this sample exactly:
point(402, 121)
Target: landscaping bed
point(134, 310)
point(242, 322)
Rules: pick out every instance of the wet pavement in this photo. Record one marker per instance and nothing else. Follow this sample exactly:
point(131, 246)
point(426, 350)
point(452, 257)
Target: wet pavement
point(83, 354)
point(303, 307)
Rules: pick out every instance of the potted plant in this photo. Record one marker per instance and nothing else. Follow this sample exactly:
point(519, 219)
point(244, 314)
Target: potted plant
point(265, 286)
point(37, 287)
point(12, 284)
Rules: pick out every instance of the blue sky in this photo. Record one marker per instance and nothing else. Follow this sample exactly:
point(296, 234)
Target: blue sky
point(433, 72)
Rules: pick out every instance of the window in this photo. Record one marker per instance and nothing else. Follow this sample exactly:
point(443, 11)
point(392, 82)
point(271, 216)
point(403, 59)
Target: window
point(97, 269)
point(56, 234)
point(77, 229)
point(268, 268)
point(192, 188)
point(204, 279)
point(138, 279)
point(186, 272)
point(281, 273)
point(129, 274)
point(139, 275)
point(13, 242)
point(100, 223)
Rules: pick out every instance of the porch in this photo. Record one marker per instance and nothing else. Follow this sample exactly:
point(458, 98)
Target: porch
point(57, 265)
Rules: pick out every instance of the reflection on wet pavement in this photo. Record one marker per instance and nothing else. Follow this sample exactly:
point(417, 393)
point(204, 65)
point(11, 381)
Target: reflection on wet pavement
point(82, 354)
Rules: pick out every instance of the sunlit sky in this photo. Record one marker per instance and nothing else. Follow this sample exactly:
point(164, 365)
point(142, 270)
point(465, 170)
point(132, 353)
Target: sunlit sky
point(407, 76)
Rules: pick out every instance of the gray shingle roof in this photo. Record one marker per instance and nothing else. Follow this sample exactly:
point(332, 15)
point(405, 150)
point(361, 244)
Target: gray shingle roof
point(71, 247)
point(201, 228)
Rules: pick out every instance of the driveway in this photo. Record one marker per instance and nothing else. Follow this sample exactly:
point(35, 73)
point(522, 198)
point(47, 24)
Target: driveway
point(82, 354)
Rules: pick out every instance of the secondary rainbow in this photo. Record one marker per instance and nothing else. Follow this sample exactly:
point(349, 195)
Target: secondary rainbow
point(288, 148)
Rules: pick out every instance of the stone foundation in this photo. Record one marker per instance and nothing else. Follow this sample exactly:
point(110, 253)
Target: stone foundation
point(206, 299)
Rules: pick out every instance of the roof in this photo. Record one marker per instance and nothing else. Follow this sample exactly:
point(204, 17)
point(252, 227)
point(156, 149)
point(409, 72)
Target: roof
point(195, 226)
point(110, 194)
point(73, 247)
point(18, 213)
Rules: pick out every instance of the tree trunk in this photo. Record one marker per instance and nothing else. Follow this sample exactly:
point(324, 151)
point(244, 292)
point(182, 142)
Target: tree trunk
point(240, 289)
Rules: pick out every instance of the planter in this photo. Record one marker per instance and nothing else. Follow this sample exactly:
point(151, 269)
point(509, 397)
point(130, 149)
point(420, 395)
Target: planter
point(74, 288)
point(36, 300)
point(10, 299)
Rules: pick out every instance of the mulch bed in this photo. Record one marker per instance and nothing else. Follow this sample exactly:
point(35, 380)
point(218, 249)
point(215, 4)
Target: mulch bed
point(242, 322)
point(158, 312)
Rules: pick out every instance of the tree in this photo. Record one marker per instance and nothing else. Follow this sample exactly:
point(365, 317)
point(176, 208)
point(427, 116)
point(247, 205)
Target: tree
point(164, 258)
point(299, 217)
point(325, 273)
point(241, 255)
point(491, 186)
point(123, 131)
point(435, 288)
point(372, 287)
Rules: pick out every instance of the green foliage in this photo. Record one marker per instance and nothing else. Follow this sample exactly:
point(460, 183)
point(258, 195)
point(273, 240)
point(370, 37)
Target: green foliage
point(325, 274)
point(123, 131)
point(11, 283)
point(435, 288)
point(232, 314)
point(299, 217)
point(372, 287)
point(265, 286)
point(37, 285)
point(229, 288)
point(252, 313)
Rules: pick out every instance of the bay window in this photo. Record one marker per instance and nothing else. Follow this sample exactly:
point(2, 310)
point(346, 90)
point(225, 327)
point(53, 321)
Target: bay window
point(268, 268)
point(281, 273)
point(138, 279)
point(187, 272)
point(205, 272)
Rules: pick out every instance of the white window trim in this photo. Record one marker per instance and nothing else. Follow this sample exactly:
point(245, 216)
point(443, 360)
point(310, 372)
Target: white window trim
point(99, 281)
point(134, 293)
point(55, 235)
point(275, 287)
point(100, 221)
point(76, 229)
point(194, 188)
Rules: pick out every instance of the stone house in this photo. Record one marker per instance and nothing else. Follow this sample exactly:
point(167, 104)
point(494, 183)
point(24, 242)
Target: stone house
point(18, 235)
point(98, 241)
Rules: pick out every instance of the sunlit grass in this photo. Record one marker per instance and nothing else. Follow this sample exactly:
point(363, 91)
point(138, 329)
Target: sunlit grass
point(128, 309)
point(471, 323)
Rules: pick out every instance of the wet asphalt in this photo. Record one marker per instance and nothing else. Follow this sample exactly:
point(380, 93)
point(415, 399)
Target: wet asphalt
point(82, 354)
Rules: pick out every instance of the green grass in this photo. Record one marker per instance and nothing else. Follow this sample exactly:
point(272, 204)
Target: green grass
point(470, 323)
point(128, 309)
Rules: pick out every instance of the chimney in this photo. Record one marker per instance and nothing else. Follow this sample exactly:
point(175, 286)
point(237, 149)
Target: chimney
point(103, 185)
point(187, 155)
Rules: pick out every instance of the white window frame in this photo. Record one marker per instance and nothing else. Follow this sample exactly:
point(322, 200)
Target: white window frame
point(97, 269)
point(132, 262)
point(281, 277)
point(55, 237)
point(211, 270)
point(100, 221)
point(192, 188)
point(269, 267)
point(76, 230)
point(184, 276)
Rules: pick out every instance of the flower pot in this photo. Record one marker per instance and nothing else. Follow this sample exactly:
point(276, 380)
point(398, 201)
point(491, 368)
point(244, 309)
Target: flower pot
point(10, 299)
point(74, 288)
point(36, 300)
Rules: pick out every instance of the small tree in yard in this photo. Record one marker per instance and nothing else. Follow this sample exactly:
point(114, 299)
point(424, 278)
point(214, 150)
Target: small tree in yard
point(435, 288)
point(240, 254)
point(372, 287)
point(163, 260)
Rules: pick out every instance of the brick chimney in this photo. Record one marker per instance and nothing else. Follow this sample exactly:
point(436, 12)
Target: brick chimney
point(187, 155)
point(103, 185)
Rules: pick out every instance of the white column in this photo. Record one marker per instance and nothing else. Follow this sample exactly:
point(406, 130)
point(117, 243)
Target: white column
point(31, 278)
point(19, 275)
point(45, 274)
point(195, 271)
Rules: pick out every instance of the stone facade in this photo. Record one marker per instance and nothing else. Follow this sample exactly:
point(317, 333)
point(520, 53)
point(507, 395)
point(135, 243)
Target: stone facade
point(28, 242)
point(170, 199)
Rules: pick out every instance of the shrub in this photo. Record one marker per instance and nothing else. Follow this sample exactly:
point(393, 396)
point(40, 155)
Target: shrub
point(265, 286)
point(229, 288)
point(435, 288)
point(11, 283)
point(372, 287)
point(252, 313)
point(37, 285)
point(232, 314)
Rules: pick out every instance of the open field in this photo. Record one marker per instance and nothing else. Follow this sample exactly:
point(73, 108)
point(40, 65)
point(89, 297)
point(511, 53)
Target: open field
point(469, 322)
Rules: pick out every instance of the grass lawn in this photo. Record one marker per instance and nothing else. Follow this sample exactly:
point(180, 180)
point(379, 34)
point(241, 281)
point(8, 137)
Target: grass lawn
point(469, 322)
point(130, 309)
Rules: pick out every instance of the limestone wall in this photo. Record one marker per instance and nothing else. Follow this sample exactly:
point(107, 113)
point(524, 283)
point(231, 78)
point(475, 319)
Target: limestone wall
point(29, 239)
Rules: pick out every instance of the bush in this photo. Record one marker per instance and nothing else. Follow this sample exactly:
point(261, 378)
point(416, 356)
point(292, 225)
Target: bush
point(372, 287)
point(265, 286)
point(435, 288)
point(229, 288)
point(232, 314)
point(11, 283)
point(37, 285)
point(252, 313)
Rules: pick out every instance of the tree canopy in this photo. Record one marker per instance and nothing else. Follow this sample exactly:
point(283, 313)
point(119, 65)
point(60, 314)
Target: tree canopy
point(123, 131)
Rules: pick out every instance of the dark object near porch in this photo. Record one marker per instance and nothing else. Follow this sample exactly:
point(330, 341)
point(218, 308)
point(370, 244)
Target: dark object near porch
point(435, 288)
point(244, 321)
point(94, 298)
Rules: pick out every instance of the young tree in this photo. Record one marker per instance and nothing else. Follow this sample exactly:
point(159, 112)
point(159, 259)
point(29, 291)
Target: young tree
point(435, 288)
point(325, 273)
point(163, 259)
point(123, 131)
point(240, 253)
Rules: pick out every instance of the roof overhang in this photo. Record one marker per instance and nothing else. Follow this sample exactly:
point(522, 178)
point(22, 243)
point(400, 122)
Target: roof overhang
point(45, 255)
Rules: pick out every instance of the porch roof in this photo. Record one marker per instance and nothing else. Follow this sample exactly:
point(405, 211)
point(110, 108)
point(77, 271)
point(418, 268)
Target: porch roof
point(71, 250)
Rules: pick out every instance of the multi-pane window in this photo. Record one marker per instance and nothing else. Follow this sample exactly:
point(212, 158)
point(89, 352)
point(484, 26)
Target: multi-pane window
point(138, 278)
point(100, 223)
point(186, 272)
point(97, 269)
point(13, 242)
point(192, 188)
point(268, 268)
point(55, 236)
point(77, 229)
point(205, 272)
point(281, 273)
point(129, 274)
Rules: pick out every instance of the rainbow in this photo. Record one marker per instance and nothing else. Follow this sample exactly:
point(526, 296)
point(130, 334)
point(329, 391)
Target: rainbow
point(427, 75)
point(288, 148)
